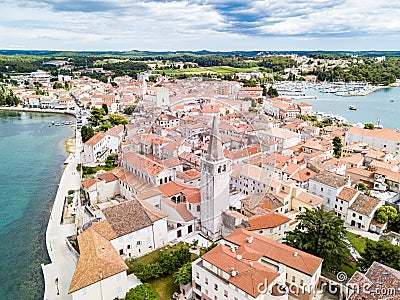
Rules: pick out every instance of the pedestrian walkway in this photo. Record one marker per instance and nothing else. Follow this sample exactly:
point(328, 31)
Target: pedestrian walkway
point(367, 234)
point(58, 274)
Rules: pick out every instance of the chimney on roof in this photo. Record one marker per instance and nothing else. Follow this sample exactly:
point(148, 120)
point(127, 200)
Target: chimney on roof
point(250, 239)
point(239, 257)
point(233, 273)
point(295, 254)
point(233, 249)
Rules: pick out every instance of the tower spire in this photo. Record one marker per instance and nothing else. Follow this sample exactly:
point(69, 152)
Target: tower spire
point(215, 150)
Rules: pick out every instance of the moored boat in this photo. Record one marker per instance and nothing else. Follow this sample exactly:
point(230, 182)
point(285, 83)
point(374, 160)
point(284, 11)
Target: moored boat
point(352, 107)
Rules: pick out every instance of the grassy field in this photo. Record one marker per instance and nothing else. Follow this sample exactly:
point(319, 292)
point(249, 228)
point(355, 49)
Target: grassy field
point(164, 286)
point(221, 70)
point(168, 72)
point(230, 70)
point(149, 258)
point(357, 242)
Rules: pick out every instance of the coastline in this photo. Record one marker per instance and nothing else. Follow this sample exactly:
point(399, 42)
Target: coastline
point(37, 110)
point(70, 145)
point(58, 273)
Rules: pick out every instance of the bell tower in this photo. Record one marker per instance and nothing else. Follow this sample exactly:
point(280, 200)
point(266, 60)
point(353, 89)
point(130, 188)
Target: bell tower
point(215, 175)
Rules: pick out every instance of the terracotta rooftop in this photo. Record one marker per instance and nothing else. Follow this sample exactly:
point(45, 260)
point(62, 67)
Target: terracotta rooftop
point(347, 194)
point(377, 278)
point(360, 171)
point(143, 163)
point(98, 260)
point(95, 139)
point(132, 180)
point(180, 208)
point(310, 199)
point(108, 176)
point(384, 133)
point(148, 193)
point(188, 175)
point(303, 175)
point(364, 204)
point(330, 179)
point(115, 131)
point(127, 217)
point(271, 220)
point(153, 212)
point(90, 182)
point(303, 262)
point(104, 229)
point(249, 276)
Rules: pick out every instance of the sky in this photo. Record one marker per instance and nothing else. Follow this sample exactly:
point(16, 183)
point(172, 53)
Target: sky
point(224, 25)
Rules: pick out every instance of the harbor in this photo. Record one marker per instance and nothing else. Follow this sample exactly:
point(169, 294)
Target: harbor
point(382, 103)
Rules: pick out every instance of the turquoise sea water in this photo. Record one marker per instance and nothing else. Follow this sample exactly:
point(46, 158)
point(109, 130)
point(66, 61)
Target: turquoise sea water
point(369, 108)
point(31, 164)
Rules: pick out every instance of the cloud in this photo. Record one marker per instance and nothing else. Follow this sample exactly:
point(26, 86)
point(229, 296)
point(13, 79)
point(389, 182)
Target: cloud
point(167, 24)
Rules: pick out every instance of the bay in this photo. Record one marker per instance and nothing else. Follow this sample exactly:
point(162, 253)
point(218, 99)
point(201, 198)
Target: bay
point(370, 107)
point(31, 164)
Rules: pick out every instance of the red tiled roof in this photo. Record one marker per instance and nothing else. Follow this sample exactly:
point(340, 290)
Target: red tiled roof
point(89, 182)
point(95, 139)
point(303, 262)
point(271, 220)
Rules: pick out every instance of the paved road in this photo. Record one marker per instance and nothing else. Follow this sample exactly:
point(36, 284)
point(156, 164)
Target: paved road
point(58, 274)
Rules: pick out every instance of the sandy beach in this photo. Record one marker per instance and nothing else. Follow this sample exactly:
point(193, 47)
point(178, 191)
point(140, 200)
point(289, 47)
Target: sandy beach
point(70, 145)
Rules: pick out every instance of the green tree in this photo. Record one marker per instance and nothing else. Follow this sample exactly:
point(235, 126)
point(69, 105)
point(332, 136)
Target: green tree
point(37, 85)
point(140, 292)
point(86, 132)
point(265, 91)
point(321, 233)
point(105, 126)
point(129, 110)
point(117, 119)
point(183, 275)
point(363, 188)
point(369, 126)
point(183, 255)
point(395, 224)
point(205, 250)
point(272, 92)
point(337, 146)
point(7, 97)
point(58, 85)
point(386, 214)
point(111, 161)
point(105, 108)
point(383, 251)
point(96, 116)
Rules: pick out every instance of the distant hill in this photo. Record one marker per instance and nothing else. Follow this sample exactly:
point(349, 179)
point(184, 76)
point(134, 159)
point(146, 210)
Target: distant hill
point(139, 53)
